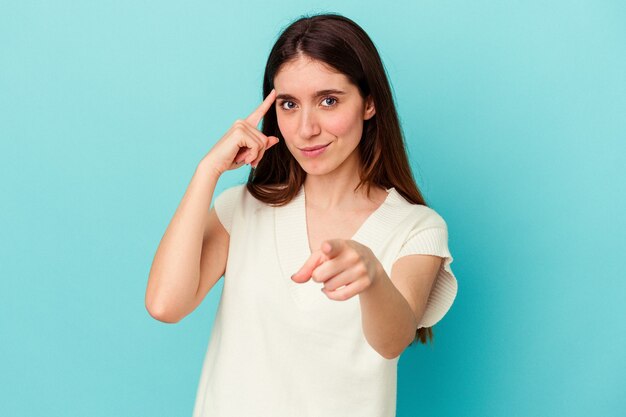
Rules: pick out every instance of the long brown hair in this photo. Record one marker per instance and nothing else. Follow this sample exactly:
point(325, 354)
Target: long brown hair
point(343, 45)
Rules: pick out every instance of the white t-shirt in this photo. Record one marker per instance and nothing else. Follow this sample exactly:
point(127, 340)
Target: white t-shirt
point(283, 349)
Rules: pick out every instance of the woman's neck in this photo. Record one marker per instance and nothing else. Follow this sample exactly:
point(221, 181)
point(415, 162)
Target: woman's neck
point(337, 193)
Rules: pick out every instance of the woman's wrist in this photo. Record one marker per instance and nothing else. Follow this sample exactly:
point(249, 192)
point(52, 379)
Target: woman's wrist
point(206, 168)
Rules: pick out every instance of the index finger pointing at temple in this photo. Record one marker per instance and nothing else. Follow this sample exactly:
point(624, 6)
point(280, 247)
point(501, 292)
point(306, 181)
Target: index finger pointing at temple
point(256, 116)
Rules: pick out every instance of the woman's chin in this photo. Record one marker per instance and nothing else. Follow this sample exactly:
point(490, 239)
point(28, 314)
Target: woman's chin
point(312, 170)
point(316, 168)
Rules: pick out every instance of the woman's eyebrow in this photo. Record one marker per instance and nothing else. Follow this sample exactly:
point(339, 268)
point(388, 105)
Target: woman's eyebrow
point(316, 95)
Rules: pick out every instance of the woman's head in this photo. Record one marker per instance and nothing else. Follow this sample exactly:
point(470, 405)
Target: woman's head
point(336, 50)
point(320, 52)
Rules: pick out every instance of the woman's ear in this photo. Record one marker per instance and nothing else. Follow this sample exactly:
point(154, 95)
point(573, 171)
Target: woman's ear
point(370, 110)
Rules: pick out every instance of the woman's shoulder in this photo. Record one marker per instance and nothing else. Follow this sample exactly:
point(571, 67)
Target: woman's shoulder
point(238, 196)
point(237, 188)
point(422, 215)
point(234, 204)
point(232, 193)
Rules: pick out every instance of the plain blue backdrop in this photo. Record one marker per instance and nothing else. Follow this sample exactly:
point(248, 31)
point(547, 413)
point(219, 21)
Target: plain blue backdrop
point(515, 119)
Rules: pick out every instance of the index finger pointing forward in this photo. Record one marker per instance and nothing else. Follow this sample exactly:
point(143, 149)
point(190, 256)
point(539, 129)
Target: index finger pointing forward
point(256, 116)
point(304, 273)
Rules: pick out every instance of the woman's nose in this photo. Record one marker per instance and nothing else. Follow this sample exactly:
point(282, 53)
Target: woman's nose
point(309, 125)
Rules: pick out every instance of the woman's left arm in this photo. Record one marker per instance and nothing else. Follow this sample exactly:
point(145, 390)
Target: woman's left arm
point(390, 306)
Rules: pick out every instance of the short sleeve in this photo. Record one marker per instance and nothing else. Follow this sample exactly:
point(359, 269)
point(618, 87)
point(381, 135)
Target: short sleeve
point(225, 205)
point(434, 241)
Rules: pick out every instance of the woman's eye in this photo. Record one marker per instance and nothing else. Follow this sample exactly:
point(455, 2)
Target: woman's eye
point(283, 105)
point(330, 98)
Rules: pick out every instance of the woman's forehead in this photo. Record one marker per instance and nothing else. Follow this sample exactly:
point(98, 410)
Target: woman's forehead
point(308, 78)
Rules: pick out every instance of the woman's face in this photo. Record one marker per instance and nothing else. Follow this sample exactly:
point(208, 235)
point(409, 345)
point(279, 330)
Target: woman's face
point(318, 106)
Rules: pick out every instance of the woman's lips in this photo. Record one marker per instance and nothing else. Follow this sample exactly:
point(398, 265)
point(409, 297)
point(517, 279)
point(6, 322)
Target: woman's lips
point(314, 152)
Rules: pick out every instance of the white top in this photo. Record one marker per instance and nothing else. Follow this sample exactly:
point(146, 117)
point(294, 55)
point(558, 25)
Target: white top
point(283, 349)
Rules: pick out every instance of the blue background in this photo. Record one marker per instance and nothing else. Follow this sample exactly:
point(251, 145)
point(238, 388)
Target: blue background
point(515, 117)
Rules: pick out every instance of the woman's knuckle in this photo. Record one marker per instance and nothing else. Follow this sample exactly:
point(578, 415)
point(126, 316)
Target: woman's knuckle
point(353, 257)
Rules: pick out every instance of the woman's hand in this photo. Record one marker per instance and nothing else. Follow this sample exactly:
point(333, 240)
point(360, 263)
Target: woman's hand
point(340, 263)
point(243, 143)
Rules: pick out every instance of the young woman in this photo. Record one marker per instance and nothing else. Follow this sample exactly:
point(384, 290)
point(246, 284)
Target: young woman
point(332, 262)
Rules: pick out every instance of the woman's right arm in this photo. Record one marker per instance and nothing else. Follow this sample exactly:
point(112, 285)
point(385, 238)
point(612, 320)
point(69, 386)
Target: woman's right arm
point(192, 254)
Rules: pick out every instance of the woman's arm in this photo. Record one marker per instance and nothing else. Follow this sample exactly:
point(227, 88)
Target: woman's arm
point(392, 307)
point(191, 256)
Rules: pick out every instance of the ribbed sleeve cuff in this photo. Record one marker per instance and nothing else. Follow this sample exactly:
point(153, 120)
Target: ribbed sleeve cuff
point(434, 241)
